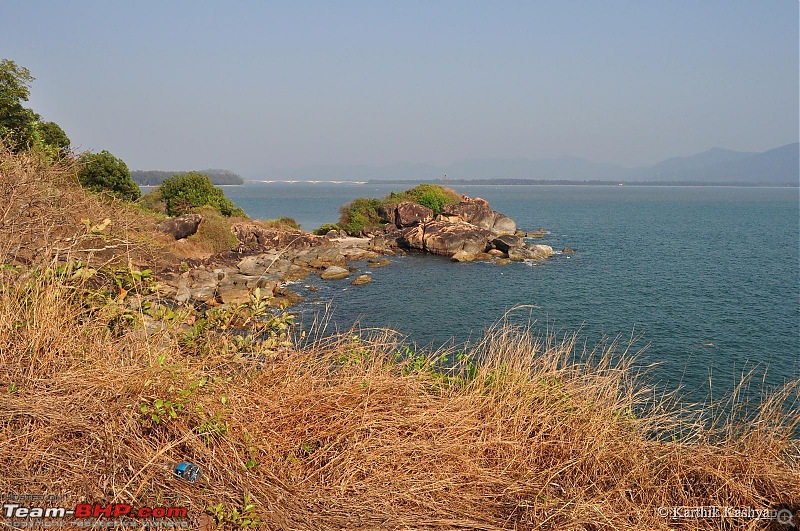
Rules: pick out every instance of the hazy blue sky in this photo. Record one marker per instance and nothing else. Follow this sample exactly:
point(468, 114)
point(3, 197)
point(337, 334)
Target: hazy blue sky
point(256, 85)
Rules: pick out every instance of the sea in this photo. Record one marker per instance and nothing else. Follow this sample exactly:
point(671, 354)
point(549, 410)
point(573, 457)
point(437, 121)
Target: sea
point(705, 281)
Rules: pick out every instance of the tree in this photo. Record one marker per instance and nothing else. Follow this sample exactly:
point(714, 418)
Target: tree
point(52, 136)
point(17, 124)
point(103, 172)
point(181, 193)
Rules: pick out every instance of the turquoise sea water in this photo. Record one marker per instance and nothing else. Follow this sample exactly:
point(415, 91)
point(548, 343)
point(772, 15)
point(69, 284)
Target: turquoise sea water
point(708, 278)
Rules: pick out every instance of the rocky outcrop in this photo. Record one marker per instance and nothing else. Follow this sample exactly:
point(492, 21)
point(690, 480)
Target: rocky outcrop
point(504, 243)
point(408, 214)
point(503, 225)
point(180, 227)
point(267, 258)
point(477, 211)
point(466, 231)
point(446, 238)
point(253, 236)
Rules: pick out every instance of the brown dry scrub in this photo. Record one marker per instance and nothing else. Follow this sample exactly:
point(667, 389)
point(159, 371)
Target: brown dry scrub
point(45, 215)
point(340, 435)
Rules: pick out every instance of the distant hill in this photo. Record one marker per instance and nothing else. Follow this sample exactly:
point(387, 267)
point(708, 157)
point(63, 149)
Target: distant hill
point(776, 166)
point(780, 166)
point(156, 177)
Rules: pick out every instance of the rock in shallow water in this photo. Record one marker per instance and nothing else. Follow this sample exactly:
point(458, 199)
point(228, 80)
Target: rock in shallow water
point(361, 279)
point(530, 252)
point(335, 272)
point(463, 256)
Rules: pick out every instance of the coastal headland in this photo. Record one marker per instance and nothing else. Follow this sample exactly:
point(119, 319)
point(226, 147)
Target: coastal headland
point(134, 344)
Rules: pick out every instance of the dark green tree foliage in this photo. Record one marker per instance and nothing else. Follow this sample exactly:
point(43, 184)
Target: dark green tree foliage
point(20, 127)
point(184, 192)
point(103, 172)
point(17, 124)
point(52, 135)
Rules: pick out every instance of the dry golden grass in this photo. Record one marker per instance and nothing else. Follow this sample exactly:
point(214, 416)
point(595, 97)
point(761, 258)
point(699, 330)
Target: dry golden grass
point(339, 434)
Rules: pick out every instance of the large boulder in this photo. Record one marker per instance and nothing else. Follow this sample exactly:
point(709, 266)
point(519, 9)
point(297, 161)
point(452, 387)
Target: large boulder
point(408, 214)
point(335, 272)
point(478, 212)
point(463, 256)
point(445, 238)
point(503, 225)
point(540, 251)
point(263, 264)
point(504, 243)
point(254, 236)
point(202, 284)
point(471, 210)
point(181, 227)
point(413, 238)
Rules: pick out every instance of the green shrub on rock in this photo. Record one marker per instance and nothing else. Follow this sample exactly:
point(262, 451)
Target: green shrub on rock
point(433, 196)
point(365, 213)
point(326, 228)
point(360, 214)
point(184, 192)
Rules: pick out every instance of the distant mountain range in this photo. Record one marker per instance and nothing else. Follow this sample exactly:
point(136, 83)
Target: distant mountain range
point(780, 166)
point(156, 177)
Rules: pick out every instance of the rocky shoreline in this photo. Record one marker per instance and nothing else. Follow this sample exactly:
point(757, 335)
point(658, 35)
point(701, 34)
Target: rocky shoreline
point(269, 257)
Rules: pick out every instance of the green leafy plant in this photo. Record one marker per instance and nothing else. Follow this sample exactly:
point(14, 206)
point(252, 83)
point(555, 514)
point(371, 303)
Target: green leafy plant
point(159, 410)
point(245, 517)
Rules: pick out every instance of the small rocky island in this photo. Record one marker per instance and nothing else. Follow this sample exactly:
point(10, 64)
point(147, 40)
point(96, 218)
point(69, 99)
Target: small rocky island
point(464, 229)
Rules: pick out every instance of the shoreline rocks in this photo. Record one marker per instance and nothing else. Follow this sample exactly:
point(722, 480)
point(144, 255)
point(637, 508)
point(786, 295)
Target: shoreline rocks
point(267, 257)
point(466, 231)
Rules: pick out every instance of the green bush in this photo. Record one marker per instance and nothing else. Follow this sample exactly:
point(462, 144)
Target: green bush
point(103, 172)
point(360, 214)
point(184, 192)
point(326, 228)
point(433, 196)
point(214, 231)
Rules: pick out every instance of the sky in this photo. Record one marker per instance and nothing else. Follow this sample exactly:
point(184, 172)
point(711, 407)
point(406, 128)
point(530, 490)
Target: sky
point(256, 86)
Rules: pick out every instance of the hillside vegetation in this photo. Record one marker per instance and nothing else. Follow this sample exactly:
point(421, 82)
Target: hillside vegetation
point(104, 394)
